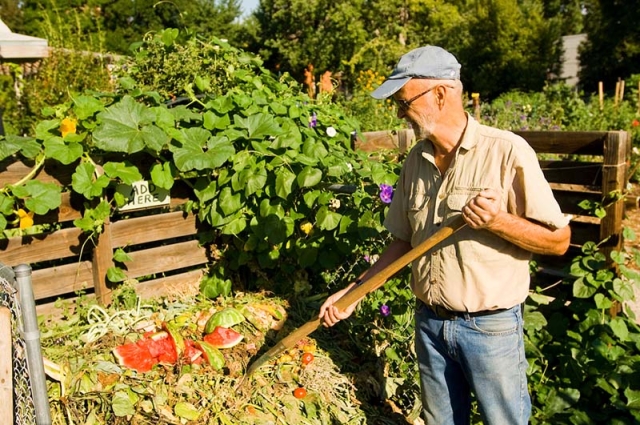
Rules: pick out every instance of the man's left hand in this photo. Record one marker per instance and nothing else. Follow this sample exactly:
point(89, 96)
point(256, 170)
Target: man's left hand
point(483, 209)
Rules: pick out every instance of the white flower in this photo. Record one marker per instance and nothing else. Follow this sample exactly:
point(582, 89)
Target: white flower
point(334, 204)
point(636, 151)
point(349, 166)
point(331, 132)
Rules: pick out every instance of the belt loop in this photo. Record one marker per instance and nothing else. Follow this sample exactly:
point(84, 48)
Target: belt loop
point(467, 316)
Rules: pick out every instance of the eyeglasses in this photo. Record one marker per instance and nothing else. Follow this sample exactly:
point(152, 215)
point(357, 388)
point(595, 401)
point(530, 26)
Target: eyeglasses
point(404, 105)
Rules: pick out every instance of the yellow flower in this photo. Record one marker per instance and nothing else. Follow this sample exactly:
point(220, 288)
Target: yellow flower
point(475, 95)
point(306, 227)
point(68, 125)
point(26, 218)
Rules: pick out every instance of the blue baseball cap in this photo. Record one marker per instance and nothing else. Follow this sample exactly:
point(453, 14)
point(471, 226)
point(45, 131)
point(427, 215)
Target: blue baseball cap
point(424, 62)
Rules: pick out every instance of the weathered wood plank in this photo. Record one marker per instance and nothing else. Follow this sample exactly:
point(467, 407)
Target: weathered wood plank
point(152, 228)
point(572, 172)
point(567, 142)
point(44, 247)
point(166, 258)
point(13, 169)
point(561, 142)
point(181, 284)
point(61, 280)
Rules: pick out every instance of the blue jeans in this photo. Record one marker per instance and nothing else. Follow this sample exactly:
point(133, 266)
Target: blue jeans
point(483, 355)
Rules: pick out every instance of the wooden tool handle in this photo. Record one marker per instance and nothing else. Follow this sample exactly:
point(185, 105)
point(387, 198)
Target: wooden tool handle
point(360, 291)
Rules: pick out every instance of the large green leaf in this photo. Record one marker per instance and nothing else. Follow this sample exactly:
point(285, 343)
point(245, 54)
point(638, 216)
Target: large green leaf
point(327, 219)
point(6, 205)
point(275, 229)
point(83, 182)
point(213, 121)
point(259, 125)
point(86, 106)
point(126, 127)
point(125, 171)
point(229, 202)
point(66, 153)
point(191, 155)
point(13, 144)
point(284, 182)
point(39, 197)
point(162, 175)
point(309, 177)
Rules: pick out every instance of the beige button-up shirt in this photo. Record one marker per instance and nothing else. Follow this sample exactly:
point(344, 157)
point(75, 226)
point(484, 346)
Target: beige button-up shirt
point(473, 270)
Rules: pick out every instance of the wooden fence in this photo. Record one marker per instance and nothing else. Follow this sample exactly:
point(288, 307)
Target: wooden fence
point(586, 166)
point(167, 254)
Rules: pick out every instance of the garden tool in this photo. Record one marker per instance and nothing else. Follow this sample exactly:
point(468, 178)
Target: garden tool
point(359, 292)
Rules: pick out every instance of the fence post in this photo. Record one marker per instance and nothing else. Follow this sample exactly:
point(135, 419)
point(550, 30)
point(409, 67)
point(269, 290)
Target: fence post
point(32, 343)
point(101, 261)
point(614, 178)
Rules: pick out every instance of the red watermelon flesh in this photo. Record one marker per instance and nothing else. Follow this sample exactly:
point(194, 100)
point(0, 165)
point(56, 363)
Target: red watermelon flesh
point(222, 337)
point(161, 346)
point(192, 354)
point(135, 356)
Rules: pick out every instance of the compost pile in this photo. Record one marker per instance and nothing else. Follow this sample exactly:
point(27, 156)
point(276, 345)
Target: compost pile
point(184, 362)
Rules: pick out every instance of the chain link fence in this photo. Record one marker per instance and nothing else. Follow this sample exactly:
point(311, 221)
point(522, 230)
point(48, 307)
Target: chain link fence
point(23, 405)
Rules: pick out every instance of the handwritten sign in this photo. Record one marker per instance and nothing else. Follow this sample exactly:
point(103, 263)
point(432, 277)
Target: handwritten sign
point(143, 194)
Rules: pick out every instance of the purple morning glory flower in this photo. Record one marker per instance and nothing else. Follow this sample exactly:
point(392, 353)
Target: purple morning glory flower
point(313, 120)
point(386, 193)
point(385, 310)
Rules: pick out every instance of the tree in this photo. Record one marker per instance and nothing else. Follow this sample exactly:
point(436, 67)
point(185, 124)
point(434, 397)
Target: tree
point(612, 49)
point(511, 46)
point(114, 25)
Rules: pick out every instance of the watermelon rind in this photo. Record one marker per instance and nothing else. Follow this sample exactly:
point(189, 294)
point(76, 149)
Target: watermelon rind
point(227, 318)
point(211, 354)
point(177, 338)
point(222, 337)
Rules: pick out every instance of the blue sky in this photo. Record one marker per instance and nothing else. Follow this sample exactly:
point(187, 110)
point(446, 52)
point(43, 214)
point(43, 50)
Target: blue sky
point(249, 6)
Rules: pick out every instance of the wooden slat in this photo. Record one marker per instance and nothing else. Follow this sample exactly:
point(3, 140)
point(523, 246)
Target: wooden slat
point(12, 170)
point(60, 280)
point(569, 142)
point(165, 258)
point(152, 228)
point(45, 247)
point(56, 309)
point(561, 142)
point(573, 172)
point(187, 283)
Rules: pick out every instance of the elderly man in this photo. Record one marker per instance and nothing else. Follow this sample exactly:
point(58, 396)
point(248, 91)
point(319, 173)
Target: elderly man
point(469, 288)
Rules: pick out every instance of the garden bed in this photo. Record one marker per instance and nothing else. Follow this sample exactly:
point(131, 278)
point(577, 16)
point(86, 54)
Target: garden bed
point(86, 383)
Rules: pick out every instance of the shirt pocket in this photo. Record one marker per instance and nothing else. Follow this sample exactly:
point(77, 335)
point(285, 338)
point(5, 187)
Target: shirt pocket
point(460, 197)
point(418, 213)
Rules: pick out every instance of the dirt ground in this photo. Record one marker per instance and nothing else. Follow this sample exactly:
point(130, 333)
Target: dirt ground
point(632, 221)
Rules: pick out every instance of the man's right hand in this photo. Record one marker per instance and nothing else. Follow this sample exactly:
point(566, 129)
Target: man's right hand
point(330, 314)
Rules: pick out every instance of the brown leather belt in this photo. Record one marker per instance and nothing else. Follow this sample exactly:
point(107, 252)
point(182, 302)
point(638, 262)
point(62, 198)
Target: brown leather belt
point(444, 313)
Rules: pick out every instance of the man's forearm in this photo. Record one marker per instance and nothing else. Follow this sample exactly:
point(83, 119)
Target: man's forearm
point(531, 236)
